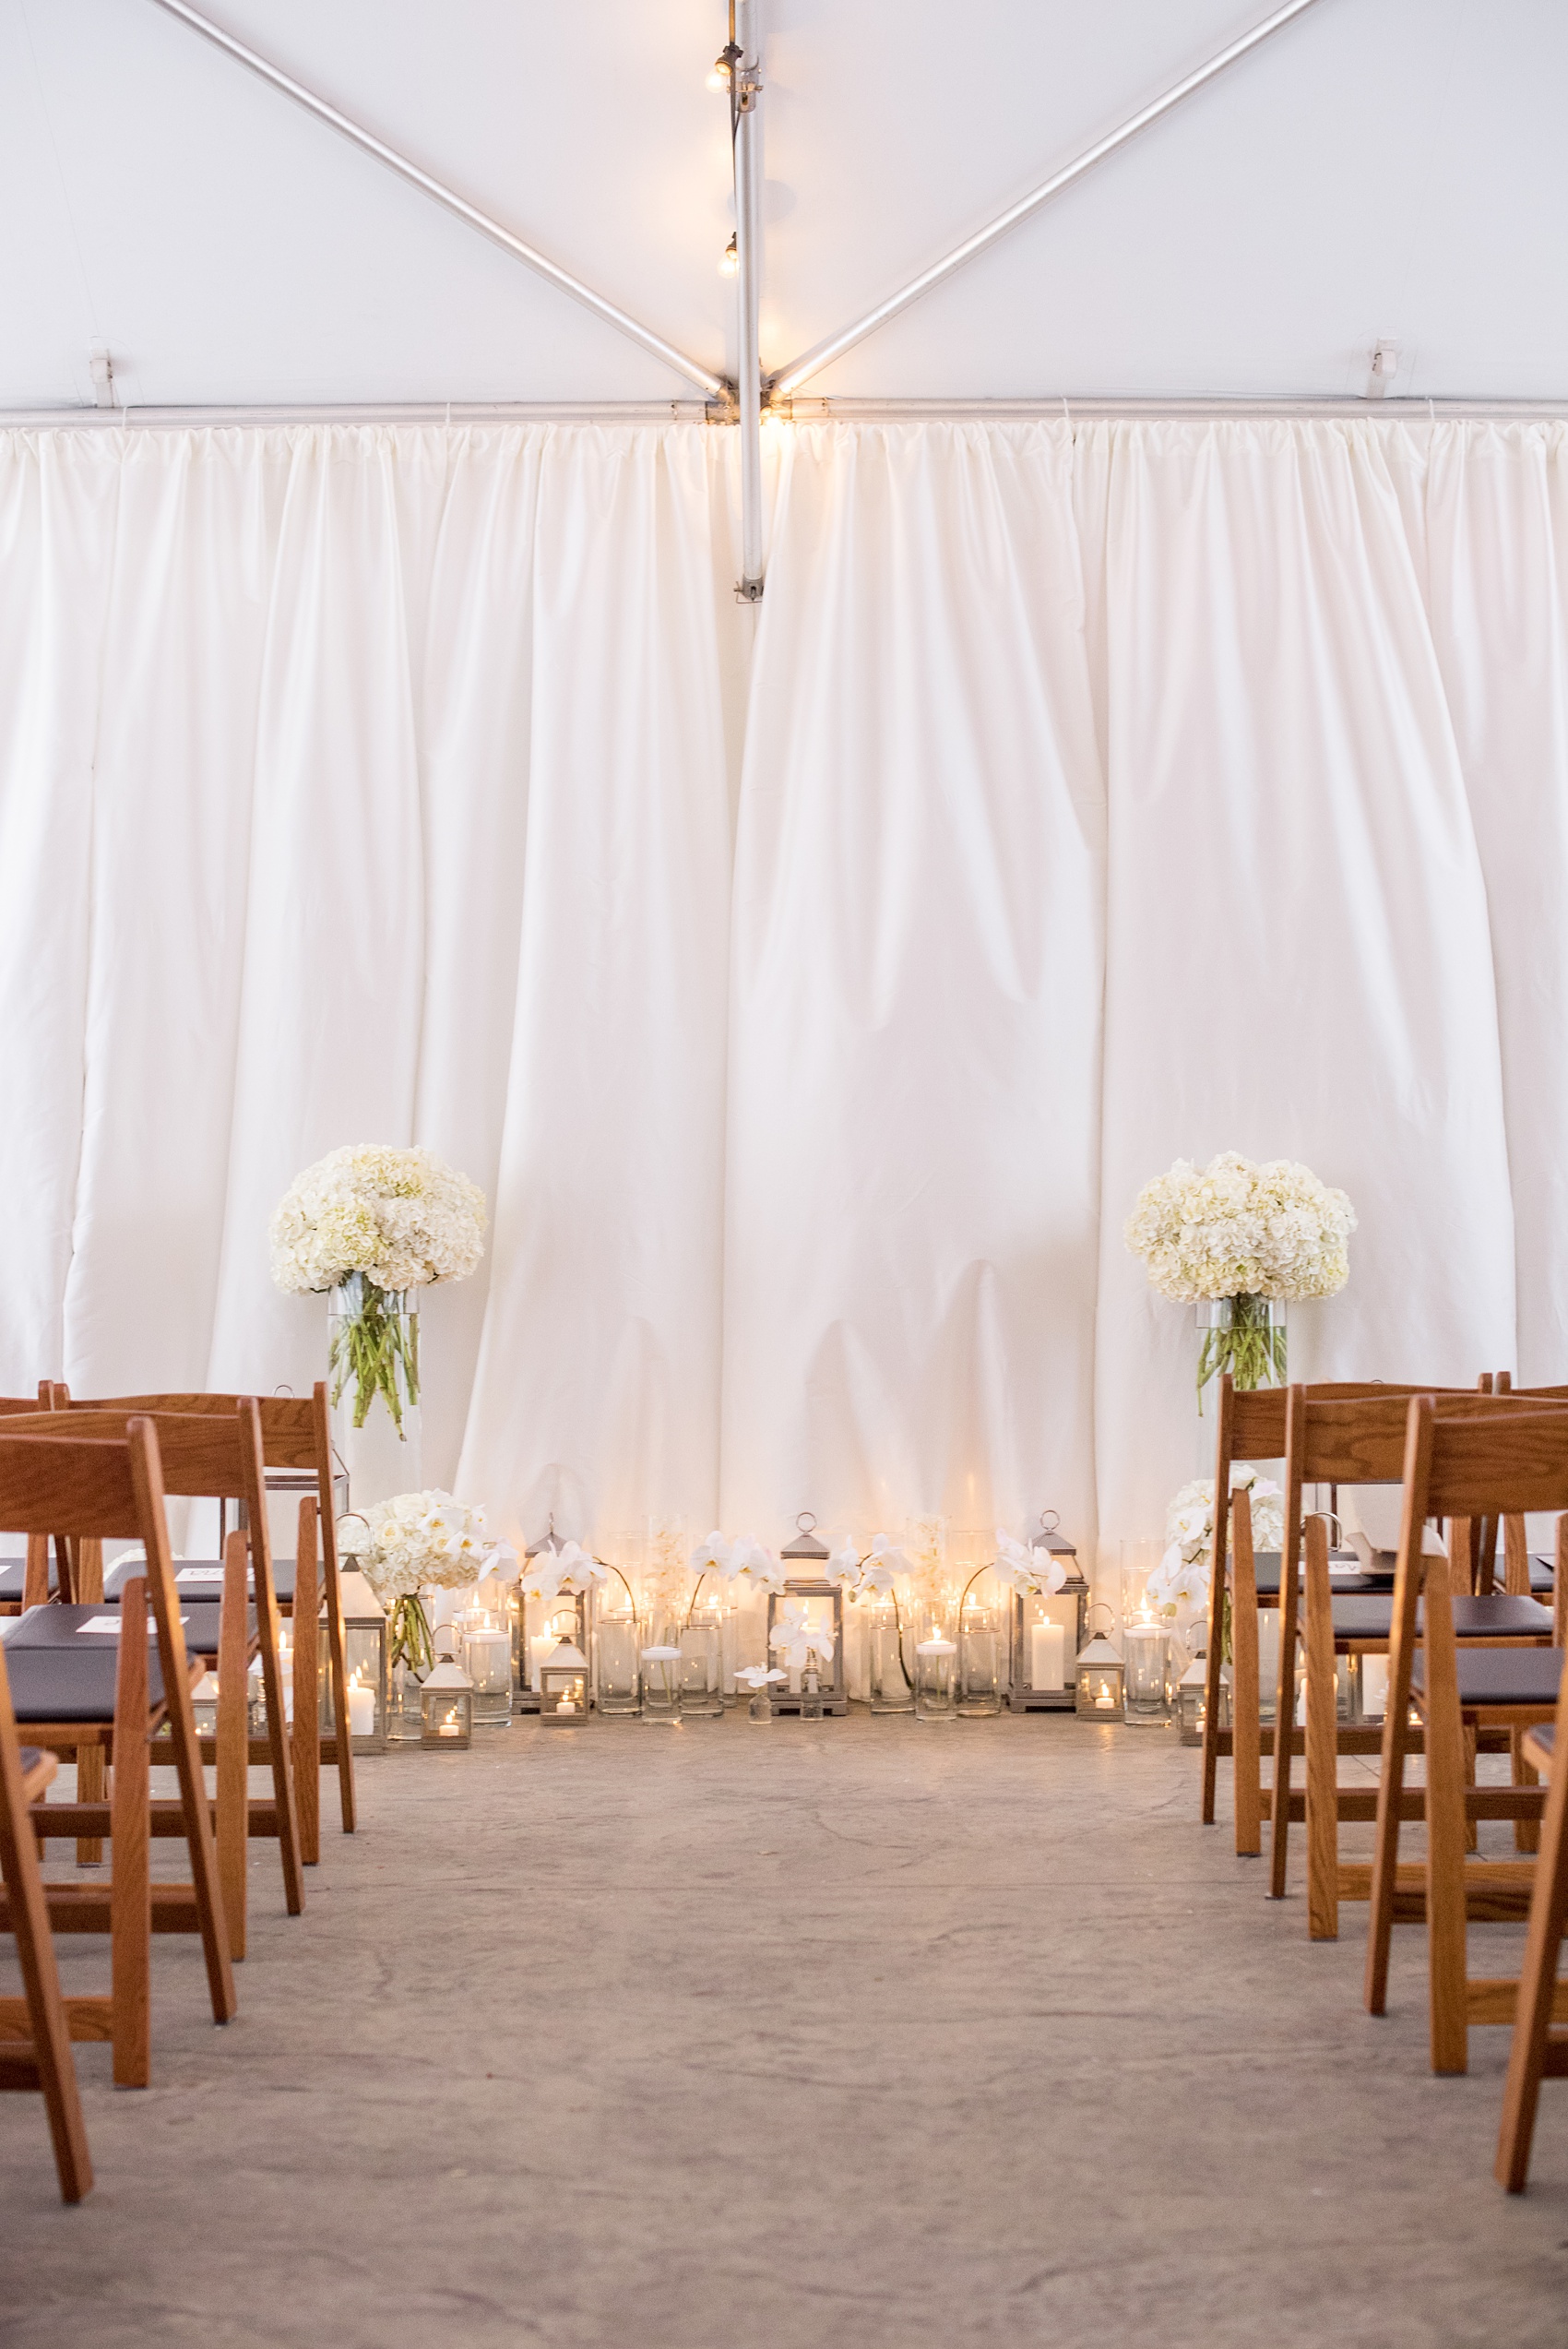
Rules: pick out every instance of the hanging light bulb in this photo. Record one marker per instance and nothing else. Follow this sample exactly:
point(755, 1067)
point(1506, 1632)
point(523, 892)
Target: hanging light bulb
point(719, 79)
point(730, 265)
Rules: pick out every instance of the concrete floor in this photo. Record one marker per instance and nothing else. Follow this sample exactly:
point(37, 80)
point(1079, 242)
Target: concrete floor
point(736, 2038)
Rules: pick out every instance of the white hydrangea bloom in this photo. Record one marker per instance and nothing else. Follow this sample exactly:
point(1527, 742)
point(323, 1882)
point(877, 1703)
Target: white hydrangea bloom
point(1233, 1228)
point(407, 1544)
point(401, 1217)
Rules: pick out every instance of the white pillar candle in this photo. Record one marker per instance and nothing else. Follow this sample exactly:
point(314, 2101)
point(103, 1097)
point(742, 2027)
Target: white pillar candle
point(540, 1647)
point(1047, 1655)
point(362, 1710)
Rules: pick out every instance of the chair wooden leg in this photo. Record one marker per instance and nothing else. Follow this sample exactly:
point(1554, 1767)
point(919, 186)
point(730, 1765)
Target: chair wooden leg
point(1213, 1666)
point(337, 1670)
point(1321, 1743)
point(89, 1789)
point(1390, 1794)
point(307, 1688)
point(1537, 1984)
point(40, 1978)
point(1527, 1832)
point(1446, 1824)
point(278, 1745)
point(234, 1743)
point(130, 1889)
point(1246, 1743)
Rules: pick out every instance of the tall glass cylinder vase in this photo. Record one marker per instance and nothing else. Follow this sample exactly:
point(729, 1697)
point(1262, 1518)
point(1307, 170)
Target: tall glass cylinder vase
point(1245, 1335)
point(374, 1382)
point(889, 1656)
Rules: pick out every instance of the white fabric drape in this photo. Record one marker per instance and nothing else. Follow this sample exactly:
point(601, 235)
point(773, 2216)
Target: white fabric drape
point(1104, 794)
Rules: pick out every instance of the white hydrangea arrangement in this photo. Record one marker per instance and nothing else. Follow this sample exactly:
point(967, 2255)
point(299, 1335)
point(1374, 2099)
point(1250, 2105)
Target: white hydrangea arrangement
point(1248, 1233)
point(1180, 1583)
point(413, 1543)
point(374, 1222)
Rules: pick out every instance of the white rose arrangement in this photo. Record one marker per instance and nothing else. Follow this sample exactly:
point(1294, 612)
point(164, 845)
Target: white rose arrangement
point(375, 1221)
point(1246, 1232)
point(414, 1543)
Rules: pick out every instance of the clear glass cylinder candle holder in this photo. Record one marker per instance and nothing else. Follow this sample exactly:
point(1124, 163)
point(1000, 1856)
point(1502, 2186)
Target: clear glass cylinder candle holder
point(1146, 1659)
point(889, 1657)
point(372, 1355)
point(701, 1664)
point(936, 1659)
point(982, 1657)
point(661, 1660)
point(617, 1667)
point(487, 1659)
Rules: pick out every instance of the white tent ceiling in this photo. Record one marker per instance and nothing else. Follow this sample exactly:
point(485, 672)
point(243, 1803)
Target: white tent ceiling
point(1382, 167)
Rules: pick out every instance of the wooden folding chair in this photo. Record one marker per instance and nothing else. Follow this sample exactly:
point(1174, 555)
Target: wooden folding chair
point(296, 1433)
point(215, 1458)
point(97, 1687)
point(1539, 2052)
point(1357, 1442)
point(35, 2030)
point(1509, 1462)
point(1252, 1428)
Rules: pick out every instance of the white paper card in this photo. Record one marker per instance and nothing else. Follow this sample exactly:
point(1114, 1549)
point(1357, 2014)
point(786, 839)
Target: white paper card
point(199, 1574)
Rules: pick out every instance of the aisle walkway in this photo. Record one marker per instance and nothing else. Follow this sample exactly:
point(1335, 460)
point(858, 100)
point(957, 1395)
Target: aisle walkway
point(721, 2038)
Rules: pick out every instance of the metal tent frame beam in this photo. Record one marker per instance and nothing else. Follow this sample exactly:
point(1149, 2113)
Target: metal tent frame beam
point(823, 354)
point(693, 369)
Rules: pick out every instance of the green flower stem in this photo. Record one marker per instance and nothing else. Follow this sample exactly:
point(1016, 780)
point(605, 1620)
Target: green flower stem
point(409, 1640)
point(1252, 1349)
point(377, 1346)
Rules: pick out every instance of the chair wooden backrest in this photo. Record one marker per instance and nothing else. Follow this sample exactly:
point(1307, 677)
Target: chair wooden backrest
point(296, 1432)
point(43, 2057)
point(92, 1486)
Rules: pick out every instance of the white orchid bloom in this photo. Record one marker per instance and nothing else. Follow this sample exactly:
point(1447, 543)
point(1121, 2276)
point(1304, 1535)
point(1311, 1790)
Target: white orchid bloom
point(579, 1568)
point(757, 1675)
point(753, 1565)
point(844, 1566)
point(716, 1555)
point(501, 1563)
point(889, 1559)
point(540, 1577)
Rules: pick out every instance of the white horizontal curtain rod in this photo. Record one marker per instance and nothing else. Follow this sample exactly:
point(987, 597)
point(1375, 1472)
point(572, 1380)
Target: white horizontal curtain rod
point(528, 254)
point(821, 356)
point(591, 411)
point(845, 410)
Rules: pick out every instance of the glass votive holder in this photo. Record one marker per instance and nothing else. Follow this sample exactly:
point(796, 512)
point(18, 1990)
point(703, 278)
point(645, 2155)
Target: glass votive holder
point(936, 1659)
point(982, 1659)
point(617, 1668)
point(702, 1664)
point(487, 1659)
point(661, 1681)
point(1145, 1658)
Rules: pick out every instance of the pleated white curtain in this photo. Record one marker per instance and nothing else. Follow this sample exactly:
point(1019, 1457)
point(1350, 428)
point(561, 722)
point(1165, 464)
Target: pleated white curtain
point(1103, 794)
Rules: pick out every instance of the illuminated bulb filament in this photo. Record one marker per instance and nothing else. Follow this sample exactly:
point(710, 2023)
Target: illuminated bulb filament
point(730, 265)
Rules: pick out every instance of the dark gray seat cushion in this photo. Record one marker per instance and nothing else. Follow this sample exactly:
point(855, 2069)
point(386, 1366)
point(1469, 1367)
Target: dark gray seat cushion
point(1500, 1676)
point(1498, 1617)
point(1541, 1579)
point(13, 1578)
point(58, 1627)
point(204, 1577)
point(1267, 1566)
point(71, 1684)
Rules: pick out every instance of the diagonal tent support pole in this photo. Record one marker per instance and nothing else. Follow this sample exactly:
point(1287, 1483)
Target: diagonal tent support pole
point(823, 354)
point(747, 90)
point(695, 372)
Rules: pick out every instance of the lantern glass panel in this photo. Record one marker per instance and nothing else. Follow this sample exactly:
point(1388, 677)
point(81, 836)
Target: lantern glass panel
point(545, 1623)
point(563, 1693)
point(364, 1643)
point(447, 1712)
point(814, 1684)
point(1099, 1681)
